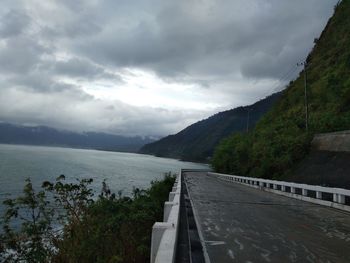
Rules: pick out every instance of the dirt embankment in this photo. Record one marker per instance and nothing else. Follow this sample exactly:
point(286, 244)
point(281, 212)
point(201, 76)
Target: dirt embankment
point(328, 163)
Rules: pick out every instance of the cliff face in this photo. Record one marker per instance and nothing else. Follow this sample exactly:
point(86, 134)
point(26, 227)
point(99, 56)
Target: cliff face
point(333, 142)
point(327, 164)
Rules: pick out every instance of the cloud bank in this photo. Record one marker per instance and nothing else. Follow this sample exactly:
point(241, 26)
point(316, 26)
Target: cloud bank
point(148, 67)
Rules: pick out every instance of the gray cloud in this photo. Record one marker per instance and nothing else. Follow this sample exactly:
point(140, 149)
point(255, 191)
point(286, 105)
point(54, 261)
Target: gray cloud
point(13, 23)
point(180, 37)
point(82, 68)
point(231, 52)
point(44, 84)
point(20, 55)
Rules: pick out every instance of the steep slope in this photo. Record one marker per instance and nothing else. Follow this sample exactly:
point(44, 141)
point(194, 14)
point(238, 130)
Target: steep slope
point(280, 139)
point(41, 135)
point(197, 142)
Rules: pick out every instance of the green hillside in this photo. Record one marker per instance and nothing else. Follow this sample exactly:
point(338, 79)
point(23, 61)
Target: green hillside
point(280, 139)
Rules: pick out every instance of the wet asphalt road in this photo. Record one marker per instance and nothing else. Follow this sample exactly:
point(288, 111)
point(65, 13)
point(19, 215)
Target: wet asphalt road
point(242, 224)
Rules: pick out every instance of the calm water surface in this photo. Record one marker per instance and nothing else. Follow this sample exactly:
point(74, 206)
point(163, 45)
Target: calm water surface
point(123, 171)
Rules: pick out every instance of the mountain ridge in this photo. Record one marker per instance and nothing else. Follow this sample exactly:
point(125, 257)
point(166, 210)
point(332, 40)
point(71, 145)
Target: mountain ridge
point(197, 141)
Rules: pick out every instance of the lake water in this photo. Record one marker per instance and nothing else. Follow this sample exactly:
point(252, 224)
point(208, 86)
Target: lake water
point(123, 171)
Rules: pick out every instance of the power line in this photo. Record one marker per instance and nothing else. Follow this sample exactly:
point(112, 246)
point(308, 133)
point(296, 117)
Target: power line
point(285, 77)
point(280, 81)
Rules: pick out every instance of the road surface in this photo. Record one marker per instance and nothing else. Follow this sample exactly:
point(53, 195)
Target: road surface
point(238, 223)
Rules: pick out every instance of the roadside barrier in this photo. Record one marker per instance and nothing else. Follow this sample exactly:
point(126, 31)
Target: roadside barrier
point(164, 234)
point(333, 197)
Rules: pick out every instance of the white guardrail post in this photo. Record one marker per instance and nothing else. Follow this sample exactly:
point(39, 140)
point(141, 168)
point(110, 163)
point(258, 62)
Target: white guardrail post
point(333, 197)
point(164, 234)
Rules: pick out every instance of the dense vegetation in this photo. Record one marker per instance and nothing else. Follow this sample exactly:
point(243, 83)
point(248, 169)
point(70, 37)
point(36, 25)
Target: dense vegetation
point(280, 139)
point(112, 228)
point(197, 142)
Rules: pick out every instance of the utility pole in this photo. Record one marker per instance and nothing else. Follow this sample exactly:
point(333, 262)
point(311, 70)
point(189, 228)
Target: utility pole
point(248, 117)
point(305, 95)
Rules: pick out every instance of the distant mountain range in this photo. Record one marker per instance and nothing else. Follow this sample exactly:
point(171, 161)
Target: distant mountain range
point(197, 142)
point(194, 143)
point(46, 136)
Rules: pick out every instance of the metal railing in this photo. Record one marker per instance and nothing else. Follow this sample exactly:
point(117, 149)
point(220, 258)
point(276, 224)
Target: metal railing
point(333, 197)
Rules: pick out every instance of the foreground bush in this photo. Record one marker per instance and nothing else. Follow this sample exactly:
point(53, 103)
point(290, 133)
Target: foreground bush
point(63, 223)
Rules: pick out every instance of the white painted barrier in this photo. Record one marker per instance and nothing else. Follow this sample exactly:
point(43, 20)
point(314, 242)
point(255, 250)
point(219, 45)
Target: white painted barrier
point(294, 190)
point(164, 234)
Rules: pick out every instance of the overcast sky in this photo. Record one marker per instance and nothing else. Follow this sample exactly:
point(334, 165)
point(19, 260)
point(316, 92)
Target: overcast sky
point(147, 67)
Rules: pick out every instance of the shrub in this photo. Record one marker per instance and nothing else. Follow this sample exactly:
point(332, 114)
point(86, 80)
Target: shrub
point(112, 228)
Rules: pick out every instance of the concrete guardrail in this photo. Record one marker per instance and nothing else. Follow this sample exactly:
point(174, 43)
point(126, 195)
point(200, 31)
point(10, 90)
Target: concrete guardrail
point(333, 197)
point(164, 234)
